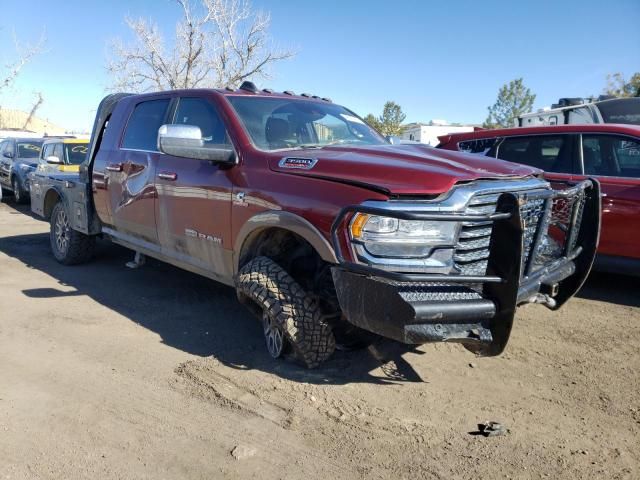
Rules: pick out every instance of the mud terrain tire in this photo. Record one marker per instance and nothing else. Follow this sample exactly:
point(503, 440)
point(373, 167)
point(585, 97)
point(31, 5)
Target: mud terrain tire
point(69, 246)
point(279, 295)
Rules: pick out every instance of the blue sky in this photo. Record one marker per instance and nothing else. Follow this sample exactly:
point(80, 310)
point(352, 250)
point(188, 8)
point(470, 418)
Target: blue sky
point(437, 59)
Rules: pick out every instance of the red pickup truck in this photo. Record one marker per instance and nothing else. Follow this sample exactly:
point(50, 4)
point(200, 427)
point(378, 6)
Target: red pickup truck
point(608, 152)
point(324, 228)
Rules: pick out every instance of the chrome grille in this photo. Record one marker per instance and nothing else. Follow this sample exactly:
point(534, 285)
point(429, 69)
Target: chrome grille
point(472, 251)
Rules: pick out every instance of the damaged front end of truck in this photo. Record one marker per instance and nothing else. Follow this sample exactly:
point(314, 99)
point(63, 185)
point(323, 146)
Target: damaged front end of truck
point(494, 245)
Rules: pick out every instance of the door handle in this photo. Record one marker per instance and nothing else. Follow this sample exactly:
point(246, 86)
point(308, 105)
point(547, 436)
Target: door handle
point(114, 167)
point(171, 176)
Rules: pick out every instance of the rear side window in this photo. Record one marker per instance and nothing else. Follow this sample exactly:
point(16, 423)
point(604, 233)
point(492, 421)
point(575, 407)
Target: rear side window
point(143, 125)
point(200, 113)
point(551, 153)
point(611, 155)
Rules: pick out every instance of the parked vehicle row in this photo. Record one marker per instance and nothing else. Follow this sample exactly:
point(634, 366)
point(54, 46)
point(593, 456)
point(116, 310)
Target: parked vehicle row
point(607, 152)
point(325, 230)
point(20, 157)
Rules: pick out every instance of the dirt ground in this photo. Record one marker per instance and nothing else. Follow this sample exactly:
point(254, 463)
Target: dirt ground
point(107, 372)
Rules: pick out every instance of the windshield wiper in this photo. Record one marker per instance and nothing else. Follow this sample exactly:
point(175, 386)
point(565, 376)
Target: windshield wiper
point(311, 145)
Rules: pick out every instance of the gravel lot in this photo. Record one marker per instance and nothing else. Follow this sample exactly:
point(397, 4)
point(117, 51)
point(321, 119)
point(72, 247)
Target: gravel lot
point(107, 372)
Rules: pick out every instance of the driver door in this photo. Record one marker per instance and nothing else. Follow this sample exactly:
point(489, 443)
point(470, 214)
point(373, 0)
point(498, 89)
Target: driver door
point(193, 209)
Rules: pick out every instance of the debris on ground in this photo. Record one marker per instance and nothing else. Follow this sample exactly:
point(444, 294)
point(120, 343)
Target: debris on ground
point(242, 452)
point(492, 429)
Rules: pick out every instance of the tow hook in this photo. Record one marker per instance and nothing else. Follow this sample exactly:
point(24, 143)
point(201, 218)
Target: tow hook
point(544, 299)
point(550, 289)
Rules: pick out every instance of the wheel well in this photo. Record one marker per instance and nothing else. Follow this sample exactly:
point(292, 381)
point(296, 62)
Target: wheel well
point(50, 200)
point(298, 258)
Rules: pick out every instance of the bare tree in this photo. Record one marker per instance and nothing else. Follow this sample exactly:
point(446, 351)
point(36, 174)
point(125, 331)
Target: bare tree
point(217, 43)
point(12, 70)
point(33, 111)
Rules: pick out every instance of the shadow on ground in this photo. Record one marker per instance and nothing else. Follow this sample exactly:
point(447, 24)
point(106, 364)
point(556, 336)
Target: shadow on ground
point(194, 314)
point(610, 288)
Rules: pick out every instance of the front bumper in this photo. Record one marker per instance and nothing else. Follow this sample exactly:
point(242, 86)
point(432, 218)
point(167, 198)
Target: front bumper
point(478, 310)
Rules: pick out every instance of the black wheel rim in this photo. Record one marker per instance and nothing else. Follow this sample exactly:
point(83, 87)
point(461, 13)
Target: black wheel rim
point(273, 335)
point(61, 232)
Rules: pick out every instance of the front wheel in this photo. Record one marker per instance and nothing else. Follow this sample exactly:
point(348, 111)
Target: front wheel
point(69, 246)
point(290, 318)
point(18, 195)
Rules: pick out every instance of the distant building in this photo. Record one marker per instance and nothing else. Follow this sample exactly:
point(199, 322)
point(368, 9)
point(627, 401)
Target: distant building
point(428, 133)
point(17, 120)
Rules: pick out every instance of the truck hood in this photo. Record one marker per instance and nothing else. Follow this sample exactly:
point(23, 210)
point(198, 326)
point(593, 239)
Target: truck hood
point(397, 169)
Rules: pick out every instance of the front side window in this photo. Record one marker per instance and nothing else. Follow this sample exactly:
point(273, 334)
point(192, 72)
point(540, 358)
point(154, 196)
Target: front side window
point(75, 153)
point(29, 149)
point(611, 155)
point(143, 125)
point(280, 123)
point(201, 113)
point(551, 153)
point(47, 151)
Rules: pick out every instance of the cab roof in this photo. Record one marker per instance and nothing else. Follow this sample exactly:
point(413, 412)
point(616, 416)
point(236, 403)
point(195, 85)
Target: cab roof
point(621, 128)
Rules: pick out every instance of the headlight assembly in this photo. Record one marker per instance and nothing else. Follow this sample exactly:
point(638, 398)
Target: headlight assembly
point(390, 237)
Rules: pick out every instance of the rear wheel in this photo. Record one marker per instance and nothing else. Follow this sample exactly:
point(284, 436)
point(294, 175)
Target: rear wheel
point(69, 246)
point(290, 318)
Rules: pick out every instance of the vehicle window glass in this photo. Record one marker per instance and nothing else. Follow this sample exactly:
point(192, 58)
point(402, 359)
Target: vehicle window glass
point(201, 113)
point(57, 151)
point(277, 123)
point(481, 145)
point(143, 125)
point(551, 153)
point(611, 155)
point(580, 115)
point(29, 149)
point(47, 151)
point(3, 145)
point(75, 153)
point(620, 110)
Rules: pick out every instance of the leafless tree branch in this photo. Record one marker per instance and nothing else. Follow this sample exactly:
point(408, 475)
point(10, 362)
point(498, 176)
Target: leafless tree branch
point(217, 43)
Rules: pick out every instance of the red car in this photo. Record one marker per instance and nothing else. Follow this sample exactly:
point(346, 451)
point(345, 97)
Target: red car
point(608, 152)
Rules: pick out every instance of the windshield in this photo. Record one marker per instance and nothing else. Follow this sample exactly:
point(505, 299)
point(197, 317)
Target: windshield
point(621, 110)
point(278, 123)
point(74, 154)
point(29, 149)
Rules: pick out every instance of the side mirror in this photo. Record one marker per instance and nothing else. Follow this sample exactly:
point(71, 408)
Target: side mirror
point(186, 141)
point(8, 154)
point(52, 159)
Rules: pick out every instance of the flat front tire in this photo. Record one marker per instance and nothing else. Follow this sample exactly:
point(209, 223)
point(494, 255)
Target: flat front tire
point(290, 318)
point(69, 246)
